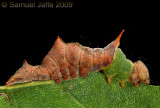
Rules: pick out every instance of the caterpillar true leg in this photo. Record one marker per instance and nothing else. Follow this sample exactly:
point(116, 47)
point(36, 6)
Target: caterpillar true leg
point(6, 97)
point(122, 85)
point(136, 85)
point(109, 80)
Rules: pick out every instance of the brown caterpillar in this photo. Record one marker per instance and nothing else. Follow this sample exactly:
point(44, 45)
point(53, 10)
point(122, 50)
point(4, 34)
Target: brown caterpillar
point(70, 60)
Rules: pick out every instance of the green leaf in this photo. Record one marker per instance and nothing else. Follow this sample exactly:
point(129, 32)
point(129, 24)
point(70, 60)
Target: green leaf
point(90, 92)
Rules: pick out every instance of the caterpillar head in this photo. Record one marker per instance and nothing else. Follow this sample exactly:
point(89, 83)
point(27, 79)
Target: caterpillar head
point(24, 74)
point(140, 73)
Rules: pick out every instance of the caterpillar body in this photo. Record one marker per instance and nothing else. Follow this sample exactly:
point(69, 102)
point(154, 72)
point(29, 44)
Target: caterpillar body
point(66, 61)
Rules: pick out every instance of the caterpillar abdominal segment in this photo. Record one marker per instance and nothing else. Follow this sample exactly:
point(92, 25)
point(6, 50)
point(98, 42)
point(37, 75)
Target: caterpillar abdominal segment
point(69, 60)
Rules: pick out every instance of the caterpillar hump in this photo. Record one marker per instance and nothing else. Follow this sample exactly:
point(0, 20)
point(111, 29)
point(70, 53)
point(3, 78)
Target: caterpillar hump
point(67, 60)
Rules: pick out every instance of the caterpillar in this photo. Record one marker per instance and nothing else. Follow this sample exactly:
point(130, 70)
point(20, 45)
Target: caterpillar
point(69, 60)
point(72, 59)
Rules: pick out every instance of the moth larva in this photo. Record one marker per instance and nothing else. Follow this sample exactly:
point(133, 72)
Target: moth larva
point(70, 60)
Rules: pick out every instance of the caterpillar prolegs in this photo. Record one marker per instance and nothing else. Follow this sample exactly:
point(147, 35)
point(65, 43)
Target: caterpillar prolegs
point(68, 60)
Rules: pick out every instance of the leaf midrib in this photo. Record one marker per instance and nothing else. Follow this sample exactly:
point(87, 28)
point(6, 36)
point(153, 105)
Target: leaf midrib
point(76, 101)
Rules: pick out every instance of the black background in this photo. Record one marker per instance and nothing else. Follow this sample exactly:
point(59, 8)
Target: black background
point(28, 34)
